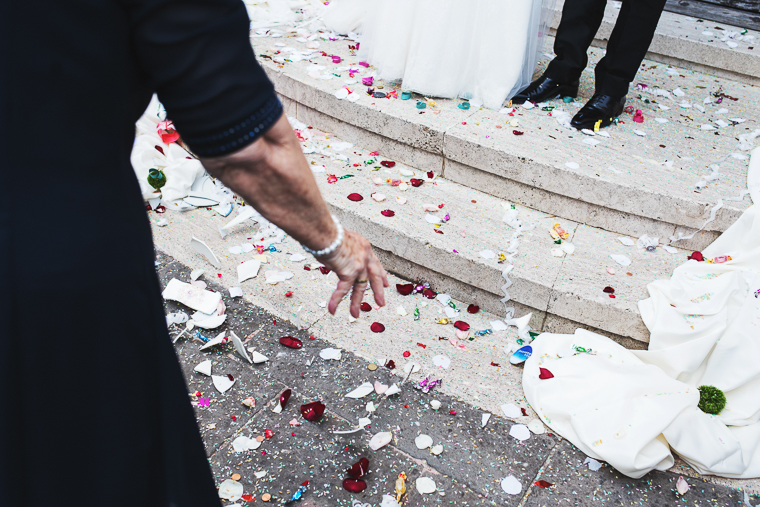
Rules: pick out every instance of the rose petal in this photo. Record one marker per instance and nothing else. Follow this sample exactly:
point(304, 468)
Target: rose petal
point(324, 270)
point(545, 374)
point(461, 325)
point(354, 485)
point(284, 397)
point(430, 294)
point(313, 411)
point(608, 290)
point(416, 182)
point(388, 213)
point(697, 256)
point(291, 342)
point(359, 468)
point(390, 365)
point(376, 327)
point(387, 163)
point(355, 197)
point(405, 289)
point(543, 484)
point(366, 307)
point(473, 309)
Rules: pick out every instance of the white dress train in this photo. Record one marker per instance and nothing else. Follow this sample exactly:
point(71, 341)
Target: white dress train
point(630, 408)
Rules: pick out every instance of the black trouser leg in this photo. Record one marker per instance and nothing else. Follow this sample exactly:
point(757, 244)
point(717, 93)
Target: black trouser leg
point(580, 21)
point(627, 46)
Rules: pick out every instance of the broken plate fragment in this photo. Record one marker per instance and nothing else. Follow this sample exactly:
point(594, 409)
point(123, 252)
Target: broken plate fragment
point(425, 485)
point(380, 388)
point(436, 449)
point(536, 427)
point(441, 362)
point(274, 277)
point(361, 391)
point(242, 444)
point(593, 464)
point(330, 353)
point(220, 338)
point(198, 299)
point(520, 432)
point(511, 486)
point(239, 346)
point(195, 274)
point(230, 490)
point(204, 368)
point(510, 410)
point(236, 292)
point(257, 357)
point(521, 354)
point(621, 259)
point(222, 383)
point(210, 322)
point(423, 441)
point(394, 389)
point(203, 249)
point(248, 269)
point(380, 440)
point(484, 419)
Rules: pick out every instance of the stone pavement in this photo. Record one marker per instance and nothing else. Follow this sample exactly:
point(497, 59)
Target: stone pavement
point(468, 472)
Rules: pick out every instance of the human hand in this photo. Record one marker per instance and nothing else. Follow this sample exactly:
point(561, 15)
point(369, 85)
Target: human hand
point(358, 267)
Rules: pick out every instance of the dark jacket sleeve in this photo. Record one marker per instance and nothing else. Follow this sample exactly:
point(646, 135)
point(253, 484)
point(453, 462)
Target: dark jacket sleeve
point(197, 55)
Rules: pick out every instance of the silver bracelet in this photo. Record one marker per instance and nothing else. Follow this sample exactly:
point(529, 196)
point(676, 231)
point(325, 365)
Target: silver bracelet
point(330, 249)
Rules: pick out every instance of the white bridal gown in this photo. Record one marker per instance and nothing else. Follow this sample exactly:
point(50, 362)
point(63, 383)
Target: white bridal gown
point(630, 408)
point(482, 50)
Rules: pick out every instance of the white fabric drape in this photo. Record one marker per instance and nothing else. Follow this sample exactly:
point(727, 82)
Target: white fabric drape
point(631, 408)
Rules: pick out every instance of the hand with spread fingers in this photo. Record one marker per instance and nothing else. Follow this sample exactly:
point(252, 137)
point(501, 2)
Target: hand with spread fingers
point(358, 269)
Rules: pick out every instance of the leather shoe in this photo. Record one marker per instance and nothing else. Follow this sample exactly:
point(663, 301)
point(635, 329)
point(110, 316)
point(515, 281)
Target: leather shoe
point(546, 88)
point(600, 111)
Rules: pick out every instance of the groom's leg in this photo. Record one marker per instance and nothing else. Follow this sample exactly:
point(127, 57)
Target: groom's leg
point(580, 21)
point(627, 46)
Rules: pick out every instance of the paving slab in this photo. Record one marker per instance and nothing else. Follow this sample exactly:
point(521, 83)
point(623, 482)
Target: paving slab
point(575, 484)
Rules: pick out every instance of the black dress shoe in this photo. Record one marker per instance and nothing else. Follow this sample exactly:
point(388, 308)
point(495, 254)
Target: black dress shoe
point(546, 88)
point(599, 112)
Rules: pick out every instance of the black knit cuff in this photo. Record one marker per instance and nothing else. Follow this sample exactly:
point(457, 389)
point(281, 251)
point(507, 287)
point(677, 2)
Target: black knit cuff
point(239, 135)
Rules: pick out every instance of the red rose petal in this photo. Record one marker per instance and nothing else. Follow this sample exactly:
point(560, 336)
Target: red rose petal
point(355, 197)
point(306, 268)
point(161, 209)
point(268, 434)
point(366, 307)
point(453, 412)
point(697, 256)
point(331, 178)
point(543, 484)
point(421, 345)
point(438, 231)
point(524, 412)
point(354, 485)
point(147, 207)
point(376, 327)
point(387, 163)
point(390, 365)
point(545, 374)
point(430, 174)
point(388, 213)
point(430, 294)
point(359, 468)
point(313, 411)
point(404, 288)
point(608, 290)
point(284, 397)
point(324, 270)
point(290, 342)
point(495, 364)
point(416, 182)
point(461, 325)
point(160, 150)
point(473, 309)
point(248, 498)
point(407, 354)
point(517, 132)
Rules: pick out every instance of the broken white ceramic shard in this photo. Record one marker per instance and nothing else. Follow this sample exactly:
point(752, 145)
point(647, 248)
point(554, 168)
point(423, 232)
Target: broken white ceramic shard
point(406, 172)
point(274, 277)
point(210, 322)
point(425, 485)
point(401, 311)
point(204, 368)
point(203, 249)
point(435, 404)
point(361, 391)
point(443, 299)
point(423, 441)
point(380, 388)
point(626, 241)
point(222, 383)
point(621, 259)
point(593, 464)
point(370, 407)
point(195, 274)
point(394, 389)
point(510, 410)
point(248, 269)
point(242, 444)
point(411, 368)
point(498, 325)
point(484, 419)
point(670, 249)
point(487, 254)
point(640, 133)
point(257, 357)
point(572, 165)
point(230, 490)
point(389, 501)
point(520, 432)
point(378, 197)
point(198, 299)
point(568, 248)
point(380, 440)
point(536, 427)
point(400, 200)
point(330, 353)
point(511, 486)
point(260, 475)
point(441, 362)
point(297, 258)
point(245, 213)
point(341, 94)
point(176, 318)
point(220, 338)
point(436, 449)
point(239, 346)
point(682, 486)
point(236, 292)
point(236, 250)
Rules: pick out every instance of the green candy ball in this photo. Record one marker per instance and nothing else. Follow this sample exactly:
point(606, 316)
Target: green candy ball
point(711, 400)
point(156, 178)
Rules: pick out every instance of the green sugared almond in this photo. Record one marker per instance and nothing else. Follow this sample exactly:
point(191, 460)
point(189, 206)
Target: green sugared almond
point(711, 400)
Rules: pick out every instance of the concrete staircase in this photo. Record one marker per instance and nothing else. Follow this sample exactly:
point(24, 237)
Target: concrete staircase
point(644, 178)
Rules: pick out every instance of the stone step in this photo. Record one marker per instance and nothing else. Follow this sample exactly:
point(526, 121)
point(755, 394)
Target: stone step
point(623, 183)
point(680, 41)
point(564, 293)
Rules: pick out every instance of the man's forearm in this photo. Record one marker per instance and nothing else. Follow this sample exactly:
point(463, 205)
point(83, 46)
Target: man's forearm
point(272, 175)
